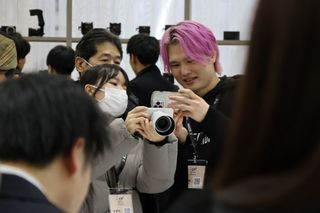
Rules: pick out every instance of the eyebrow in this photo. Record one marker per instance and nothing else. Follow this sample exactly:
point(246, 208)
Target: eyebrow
point(173, 62)
point(109, 55)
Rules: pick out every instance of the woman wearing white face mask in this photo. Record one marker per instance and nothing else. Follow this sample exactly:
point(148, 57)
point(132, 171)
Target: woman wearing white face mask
point(137, 164)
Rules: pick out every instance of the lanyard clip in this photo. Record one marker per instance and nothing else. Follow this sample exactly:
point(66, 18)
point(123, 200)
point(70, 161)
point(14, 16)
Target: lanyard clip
point(195, 156)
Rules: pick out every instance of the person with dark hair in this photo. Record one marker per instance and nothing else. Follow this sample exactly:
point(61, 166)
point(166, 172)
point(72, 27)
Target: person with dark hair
point(60, 60)
point(279, 106)
point(8, 58)
point(23, 48)
point(190, 52)
point(144, 52)
point(142, 166)
point(50, 138)
point(98, 46)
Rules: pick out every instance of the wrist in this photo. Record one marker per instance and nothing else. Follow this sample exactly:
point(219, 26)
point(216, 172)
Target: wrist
point(159, 143)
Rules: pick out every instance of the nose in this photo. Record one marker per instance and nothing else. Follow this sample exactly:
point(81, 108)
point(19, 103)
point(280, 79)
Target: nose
point(112, 61)
point(185, 69)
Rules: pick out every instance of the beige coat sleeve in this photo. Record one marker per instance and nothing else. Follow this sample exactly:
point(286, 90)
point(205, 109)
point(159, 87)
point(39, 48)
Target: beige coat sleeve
point(159, 166)
point(121, 144)
point(150, 168)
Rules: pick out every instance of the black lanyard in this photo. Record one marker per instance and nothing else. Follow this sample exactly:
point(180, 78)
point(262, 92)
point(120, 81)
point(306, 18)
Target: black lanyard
point(112, 175)
point(194, 142)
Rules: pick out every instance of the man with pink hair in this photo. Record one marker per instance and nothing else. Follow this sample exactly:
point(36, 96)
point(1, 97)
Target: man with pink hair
point(190, 53)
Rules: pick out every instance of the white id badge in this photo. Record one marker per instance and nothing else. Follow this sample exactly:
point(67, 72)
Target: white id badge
point(196, 173)
point(120, 202)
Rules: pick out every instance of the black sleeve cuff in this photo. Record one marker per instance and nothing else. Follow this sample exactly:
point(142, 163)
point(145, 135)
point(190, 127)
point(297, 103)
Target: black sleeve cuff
point(161, 143)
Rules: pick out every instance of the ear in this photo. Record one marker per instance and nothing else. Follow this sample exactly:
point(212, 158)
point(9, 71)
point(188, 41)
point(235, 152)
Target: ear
point(21, 63)
point(89, 89)
point(213, 58)
point(131, 59)
point(76, 158)
point(51, 70)
point(134, 63)
point(81, 66)
point(135, 59)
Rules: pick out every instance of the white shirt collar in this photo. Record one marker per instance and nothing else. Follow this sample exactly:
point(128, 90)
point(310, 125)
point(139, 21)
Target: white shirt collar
point(11, 170)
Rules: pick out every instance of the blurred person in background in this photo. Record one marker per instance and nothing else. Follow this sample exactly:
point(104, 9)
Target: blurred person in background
point(8, 58)
point(22, 47)
point(60, 60)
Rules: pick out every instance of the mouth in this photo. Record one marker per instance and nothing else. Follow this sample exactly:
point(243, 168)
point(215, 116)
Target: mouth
point(189, 81)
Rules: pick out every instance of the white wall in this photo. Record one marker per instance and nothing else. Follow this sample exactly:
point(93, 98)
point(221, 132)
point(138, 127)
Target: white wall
point(218, 15)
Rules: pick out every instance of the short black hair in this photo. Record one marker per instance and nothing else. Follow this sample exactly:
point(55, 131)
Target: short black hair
point(22, 45)
point(145, 47)
point(41, 117)
point(61, 59)
point(86, 48)
point(100, 74)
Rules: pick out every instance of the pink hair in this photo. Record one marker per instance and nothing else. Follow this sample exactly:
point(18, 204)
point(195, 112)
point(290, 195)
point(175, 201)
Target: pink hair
point(197, 41)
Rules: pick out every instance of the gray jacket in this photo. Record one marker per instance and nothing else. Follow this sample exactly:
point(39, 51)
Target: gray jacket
point(148, 168)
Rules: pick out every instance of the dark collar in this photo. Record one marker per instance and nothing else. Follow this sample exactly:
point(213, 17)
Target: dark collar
point(213, 92)
point(14, 186)
point(151, 68)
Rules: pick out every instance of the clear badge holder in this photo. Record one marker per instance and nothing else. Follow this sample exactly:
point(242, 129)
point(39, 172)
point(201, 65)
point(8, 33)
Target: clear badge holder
point(196, 173)
point(120, 200)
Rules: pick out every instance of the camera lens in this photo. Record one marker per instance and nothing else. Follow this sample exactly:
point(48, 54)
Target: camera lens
point(162, 120)
point(11, 30)
point(163, 124)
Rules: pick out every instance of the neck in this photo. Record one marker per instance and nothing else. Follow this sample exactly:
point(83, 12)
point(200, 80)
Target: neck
point(53, 180)
point(212, 85)
point(141, 67)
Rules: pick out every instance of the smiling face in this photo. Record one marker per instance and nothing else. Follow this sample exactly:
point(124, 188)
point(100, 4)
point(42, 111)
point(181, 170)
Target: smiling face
point(199, 77)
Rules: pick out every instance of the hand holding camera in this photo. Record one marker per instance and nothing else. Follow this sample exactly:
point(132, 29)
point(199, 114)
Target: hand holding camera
point(162, 120)
point(139, 120)
point(190, 104)
point(180, 132)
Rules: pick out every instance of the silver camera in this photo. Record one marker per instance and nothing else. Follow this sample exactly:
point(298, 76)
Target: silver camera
point(162, 120)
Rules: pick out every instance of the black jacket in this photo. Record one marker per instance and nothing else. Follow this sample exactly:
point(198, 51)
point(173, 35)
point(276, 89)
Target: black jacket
point(18, 196)
point(148, 81)
point(211, 133)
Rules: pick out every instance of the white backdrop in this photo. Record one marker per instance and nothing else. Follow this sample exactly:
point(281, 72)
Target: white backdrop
point(218, 15)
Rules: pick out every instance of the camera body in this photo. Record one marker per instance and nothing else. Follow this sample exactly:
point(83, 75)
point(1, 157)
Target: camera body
point(8, 29)
point(86, 27)
point(37, 31)
point(115, 28)
point(144, 30)
point(162, 120)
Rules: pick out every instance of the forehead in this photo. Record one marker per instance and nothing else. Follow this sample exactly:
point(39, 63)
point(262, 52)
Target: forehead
point(107, 48)
point(176, 52)
point(119, 78)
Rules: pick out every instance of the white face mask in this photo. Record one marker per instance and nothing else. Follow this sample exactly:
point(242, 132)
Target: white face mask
point(114, 102)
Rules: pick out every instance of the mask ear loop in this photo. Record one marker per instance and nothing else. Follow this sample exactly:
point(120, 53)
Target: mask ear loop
point(87, 62)
point(96, 90)
point(104, 80)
